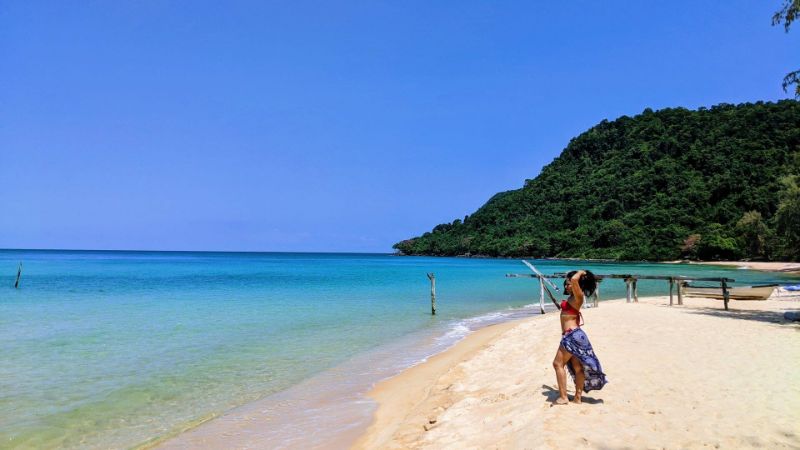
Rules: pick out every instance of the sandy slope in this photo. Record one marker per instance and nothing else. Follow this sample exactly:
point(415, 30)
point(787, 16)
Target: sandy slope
point(680, 377)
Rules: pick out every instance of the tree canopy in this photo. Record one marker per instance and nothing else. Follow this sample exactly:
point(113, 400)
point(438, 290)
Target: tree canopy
point(790, 10)
point(713, 183)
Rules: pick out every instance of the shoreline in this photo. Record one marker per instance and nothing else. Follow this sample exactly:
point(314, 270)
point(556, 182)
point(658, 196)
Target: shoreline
point(405, 391)
point(494, 388)
point(762, 266)
point(342, 410)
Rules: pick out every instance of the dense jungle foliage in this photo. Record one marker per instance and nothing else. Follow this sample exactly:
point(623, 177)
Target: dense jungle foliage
point(715, 183)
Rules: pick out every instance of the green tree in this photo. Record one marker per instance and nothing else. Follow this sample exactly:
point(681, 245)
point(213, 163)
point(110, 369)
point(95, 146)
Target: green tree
point(787, 218)
point(716, 244)
point(753, 234)
point(790, 10)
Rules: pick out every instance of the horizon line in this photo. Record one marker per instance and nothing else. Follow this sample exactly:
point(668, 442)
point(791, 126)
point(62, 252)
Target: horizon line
point(191, 251)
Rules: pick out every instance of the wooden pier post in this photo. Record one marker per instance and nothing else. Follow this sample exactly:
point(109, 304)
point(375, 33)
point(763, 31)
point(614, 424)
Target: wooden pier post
point(432, 277)
point(596, 295)
point(671, 284)
point(635, 291)
point(628, 290)
point(541, 295)
point(19, 274)
point(680, 293)
point(725, 294)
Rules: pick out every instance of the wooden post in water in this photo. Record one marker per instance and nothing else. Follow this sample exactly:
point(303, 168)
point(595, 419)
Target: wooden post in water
point(671, 283)
point(635, 291)
point(432, 277)
point(19, 274)
point(725, 294)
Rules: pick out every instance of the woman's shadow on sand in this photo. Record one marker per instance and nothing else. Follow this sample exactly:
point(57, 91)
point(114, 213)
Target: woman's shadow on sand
point(552, 394)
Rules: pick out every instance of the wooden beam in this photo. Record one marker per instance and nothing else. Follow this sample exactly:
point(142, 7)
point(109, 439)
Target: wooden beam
point(631, 282)
point(623, 276)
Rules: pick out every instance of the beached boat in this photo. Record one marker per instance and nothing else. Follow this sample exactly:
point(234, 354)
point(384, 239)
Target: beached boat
point(761, 292)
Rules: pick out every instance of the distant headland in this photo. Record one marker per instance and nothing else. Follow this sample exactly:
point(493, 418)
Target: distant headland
point(711, 184)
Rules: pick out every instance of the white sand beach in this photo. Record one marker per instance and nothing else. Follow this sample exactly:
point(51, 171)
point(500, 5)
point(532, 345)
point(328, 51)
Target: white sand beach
point(692, 376)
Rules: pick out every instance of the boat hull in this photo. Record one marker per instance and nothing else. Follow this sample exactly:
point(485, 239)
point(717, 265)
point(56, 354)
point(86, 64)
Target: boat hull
point(737, 293)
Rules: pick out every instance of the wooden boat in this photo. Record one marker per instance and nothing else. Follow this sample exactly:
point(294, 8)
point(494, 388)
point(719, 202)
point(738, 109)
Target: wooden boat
point(761, 292)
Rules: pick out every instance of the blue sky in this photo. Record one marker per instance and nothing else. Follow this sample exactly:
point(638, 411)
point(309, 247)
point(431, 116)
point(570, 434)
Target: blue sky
point(331, 126)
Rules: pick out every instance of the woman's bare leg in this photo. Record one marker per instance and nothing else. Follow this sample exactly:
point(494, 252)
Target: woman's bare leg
point(559, 362)
point(580, 377)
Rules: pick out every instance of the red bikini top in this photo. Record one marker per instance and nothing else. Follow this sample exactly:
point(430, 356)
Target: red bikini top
point(566, 308)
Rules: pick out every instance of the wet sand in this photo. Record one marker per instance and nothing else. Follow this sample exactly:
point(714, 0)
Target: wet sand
point(680, 377)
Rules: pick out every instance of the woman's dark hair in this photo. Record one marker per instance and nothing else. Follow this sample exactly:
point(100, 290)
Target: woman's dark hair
point(587, 282)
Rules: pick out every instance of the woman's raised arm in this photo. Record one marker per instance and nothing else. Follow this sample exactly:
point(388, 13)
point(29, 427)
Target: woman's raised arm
point(577, 291)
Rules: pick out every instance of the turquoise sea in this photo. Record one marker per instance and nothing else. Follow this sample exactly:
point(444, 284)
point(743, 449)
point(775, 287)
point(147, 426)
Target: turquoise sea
point(113, 349)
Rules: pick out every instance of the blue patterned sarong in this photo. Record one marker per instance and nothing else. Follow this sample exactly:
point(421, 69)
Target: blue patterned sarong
point(577, 343)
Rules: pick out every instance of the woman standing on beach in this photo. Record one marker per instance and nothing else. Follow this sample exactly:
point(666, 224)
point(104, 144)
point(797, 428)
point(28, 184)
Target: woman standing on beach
point(575, 351)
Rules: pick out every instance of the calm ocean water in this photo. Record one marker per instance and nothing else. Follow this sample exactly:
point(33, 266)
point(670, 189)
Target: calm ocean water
point(114, 349)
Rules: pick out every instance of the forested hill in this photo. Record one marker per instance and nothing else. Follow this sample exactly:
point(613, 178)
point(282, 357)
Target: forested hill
point(715, 183)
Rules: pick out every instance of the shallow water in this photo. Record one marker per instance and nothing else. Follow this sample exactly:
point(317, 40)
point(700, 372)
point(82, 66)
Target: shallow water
point(113, 349)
